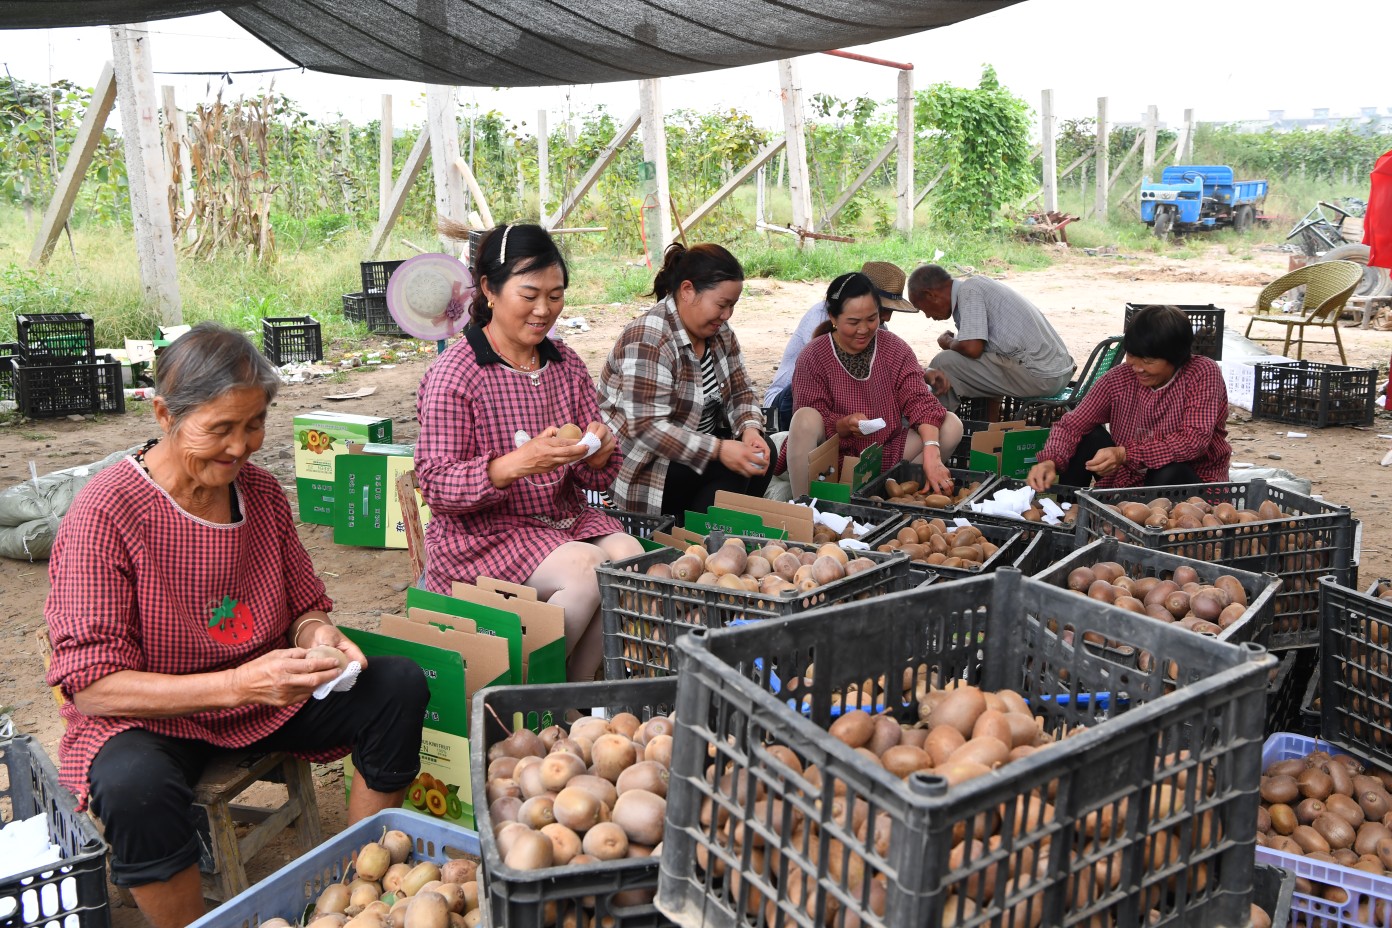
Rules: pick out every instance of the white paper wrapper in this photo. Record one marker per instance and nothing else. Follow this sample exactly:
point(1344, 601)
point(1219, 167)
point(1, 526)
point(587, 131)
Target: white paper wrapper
point(850, 544)
point(341, 683)
point(832, 521)
point(520, 438)
point(1050, 507)
point(871, 426)
point(590, 440)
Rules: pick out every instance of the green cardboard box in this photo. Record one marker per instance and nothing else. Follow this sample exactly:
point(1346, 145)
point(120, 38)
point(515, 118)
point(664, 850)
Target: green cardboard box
point(321, 436)
point(1008, 449)
point(367, 510)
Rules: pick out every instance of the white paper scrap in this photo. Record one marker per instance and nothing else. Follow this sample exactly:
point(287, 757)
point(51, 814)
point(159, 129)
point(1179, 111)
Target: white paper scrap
point(961, 522)
point(1296, 435)
point(832, 521)
point(341, 683)
point(850, 544)
point(871, 426)
point(1050, 507)
point(590, 440)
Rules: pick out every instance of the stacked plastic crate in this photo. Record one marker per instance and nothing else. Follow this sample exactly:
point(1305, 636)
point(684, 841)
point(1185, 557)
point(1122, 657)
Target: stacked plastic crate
point(57, 371)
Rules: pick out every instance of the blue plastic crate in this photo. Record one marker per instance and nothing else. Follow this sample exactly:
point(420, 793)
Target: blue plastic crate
point(287, 892)
point(1359, 885)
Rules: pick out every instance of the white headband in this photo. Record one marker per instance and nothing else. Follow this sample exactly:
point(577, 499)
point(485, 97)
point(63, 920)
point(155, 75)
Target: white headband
point(502, 252)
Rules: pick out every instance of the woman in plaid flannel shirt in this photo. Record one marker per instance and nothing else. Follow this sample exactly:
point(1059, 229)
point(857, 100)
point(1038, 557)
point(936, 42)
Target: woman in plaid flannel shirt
point(676, 393)
point(1168, 411)
point(182, 608)
point(854, 371)
point(505, 490)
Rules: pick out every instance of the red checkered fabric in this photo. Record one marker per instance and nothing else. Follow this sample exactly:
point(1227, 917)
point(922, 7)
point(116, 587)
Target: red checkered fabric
point(650, 391)
point(470, 407)
point(136, 582)
point(1184, 421)
point(894, 390)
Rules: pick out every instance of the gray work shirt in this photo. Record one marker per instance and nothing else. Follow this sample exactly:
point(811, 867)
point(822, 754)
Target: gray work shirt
point(1009, 324)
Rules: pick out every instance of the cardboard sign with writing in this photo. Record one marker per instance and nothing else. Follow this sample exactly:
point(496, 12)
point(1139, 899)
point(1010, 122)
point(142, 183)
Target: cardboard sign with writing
point(490, 621)
point(866, 467)
point(367, 511)
point(543, 625)
point(445, 737)
point(795, 520)
point(730, 522)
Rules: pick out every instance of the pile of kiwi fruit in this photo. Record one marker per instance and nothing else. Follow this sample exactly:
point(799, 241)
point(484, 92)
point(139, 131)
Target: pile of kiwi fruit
point(1204, 532)
point(962, 733)
point(581, 797)
point(932, 541)
point(385, 889)
point(773, 570)
point(1383, 590)
point(1180, 597)
point(1334, 809)
point(913, 493)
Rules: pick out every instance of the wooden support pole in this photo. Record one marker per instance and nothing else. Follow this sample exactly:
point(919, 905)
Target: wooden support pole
point(760, 183)
point(1099, 206)
point(75, 168)
point(384, 156)
point(1125, 160)
point(179, 120)
point(1077, 163)
point(476, 191)
point(880, 158)
point(397, 201)
point(1046, 130)
point(1164, 155)
point(543, 164)
point(904, 170)
point(1152, 124)
point(928, 188)
point(658, 215)
point(605, 158)
point(444, 152)
point(759, 160)
point(799, 187)
point(145, 174)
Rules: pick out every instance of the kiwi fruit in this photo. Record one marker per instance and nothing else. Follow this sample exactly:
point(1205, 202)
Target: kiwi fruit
point(570, 432)
point(641, 815)
point(326, 652)
point(372, 861)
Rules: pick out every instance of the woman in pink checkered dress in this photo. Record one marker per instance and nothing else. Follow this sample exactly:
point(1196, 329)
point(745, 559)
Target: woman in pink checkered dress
point(505, 489)
point(853, 372)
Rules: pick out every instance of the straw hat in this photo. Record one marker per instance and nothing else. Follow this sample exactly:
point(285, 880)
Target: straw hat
point(889, 280)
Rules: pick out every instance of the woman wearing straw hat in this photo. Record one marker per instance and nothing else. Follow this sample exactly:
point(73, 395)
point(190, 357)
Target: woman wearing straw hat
point(860, 382)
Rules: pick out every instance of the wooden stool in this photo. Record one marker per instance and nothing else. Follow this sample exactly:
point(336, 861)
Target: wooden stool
point(229, 774)
point(226, 777)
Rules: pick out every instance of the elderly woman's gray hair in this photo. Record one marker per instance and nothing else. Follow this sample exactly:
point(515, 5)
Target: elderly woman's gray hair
point(206, 362)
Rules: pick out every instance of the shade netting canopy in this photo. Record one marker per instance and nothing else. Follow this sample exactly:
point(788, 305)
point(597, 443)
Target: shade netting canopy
point(518, 43)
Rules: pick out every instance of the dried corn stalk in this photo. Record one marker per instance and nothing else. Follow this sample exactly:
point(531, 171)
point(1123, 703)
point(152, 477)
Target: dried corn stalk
point(232, 187)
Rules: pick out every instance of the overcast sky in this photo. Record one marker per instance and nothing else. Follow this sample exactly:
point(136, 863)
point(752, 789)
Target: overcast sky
point(1283, 55)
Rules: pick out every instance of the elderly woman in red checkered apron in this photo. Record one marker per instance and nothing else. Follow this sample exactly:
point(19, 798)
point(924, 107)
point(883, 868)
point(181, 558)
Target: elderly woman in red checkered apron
point(505, 488)
point(182, 611)
point(858, 381)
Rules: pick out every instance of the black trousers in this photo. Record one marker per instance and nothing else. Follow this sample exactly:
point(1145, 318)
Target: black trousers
point(1076, 474)
point(142, 783)
point(687, 489)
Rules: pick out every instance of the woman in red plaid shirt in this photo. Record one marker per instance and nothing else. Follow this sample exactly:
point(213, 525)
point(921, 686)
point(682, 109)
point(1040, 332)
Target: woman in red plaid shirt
point(853, 372)
point(505, 489)
point(1168, 411)
point(182, 608)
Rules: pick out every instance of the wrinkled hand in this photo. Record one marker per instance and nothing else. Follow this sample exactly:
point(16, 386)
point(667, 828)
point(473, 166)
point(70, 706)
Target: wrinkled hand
point(936, 475)
point(1042, 476)
point(607, 443)
point(1106, 461)
point(320, 633)
point(284, 677)
point(849, 425)
point(937, 381)
point(945, 341)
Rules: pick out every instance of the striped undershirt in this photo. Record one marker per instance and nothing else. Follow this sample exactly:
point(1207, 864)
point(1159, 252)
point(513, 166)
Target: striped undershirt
point(710, 389)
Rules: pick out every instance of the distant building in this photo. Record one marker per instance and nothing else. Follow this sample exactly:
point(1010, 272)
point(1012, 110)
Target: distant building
point(1368, 119)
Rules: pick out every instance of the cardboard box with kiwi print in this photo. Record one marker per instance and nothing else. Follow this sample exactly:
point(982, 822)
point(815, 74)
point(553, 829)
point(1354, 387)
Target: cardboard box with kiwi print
point(367, 507)
point(321, 436)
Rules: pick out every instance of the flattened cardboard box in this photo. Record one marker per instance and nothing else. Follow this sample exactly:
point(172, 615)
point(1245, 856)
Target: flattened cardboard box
point(321, 436)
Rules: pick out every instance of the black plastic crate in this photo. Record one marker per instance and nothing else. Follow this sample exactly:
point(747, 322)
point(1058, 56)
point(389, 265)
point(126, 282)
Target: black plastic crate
point(375, 275)
point(1044, 549)
point(1314, 395)
point(1033, 411)
point(644, 616)
point(378, 318)
point(961, 455)
point(1356, 671)
point(639, 524)
point(1287, 690)
point(73, 891)
point(1261, 589)
point(355, 307)
point(111, 388)
point(1272, 888)
point(1309, 719)
point(9, 351)
point(1314, 540)
point(1194, 718)
point(883, 521)
point(520, 898)
point(55, 338)
point(287, 339)
point(873, 492)
point(1010, 543)
point(49, 391)
point(1059, 493)
point(1206, 319)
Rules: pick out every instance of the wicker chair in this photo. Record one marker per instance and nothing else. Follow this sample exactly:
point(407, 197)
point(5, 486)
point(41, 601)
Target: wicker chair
point(1327, 288)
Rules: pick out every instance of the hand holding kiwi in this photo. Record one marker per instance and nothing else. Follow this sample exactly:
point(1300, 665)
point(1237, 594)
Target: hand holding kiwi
point(540, 455)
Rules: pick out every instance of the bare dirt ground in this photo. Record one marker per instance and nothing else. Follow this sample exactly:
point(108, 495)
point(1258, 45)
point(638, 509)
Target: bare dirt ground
point(1083, 296)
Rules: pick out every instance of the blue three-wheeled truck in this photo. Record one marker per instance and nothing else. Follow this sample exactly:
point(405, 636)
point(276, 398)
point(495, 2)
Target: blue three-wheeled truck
point(1198, 197)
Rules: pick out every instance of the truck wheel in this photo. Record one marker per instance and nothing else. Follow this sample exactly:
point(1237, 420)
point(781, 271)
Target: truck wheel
point(1242, 220)
point(1376, 280)
point(1164, 221)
